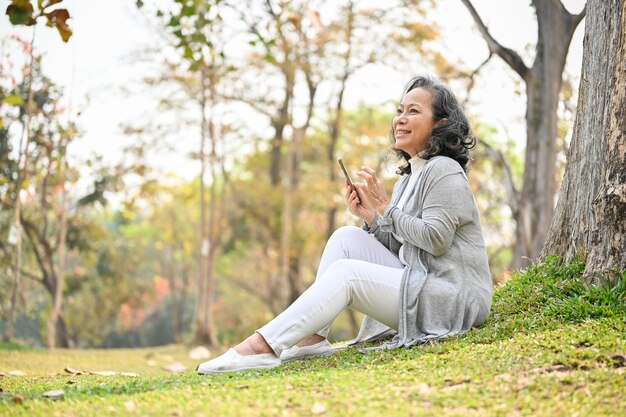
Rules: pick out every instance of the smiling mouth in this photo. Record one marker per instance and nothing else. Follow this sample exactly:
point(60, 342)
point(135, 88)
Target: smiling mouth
point(402, 132)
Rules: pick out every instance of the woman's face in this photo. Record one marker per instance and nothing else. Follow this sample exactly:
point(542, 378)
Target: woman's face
point(413, 121)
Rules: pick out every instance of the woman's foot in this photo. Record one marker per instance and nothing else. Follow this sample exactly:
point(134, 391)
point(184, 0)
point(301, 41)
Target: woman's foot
point(253, 345)
point(252, 353)
point(311, 340)
point(310, 347)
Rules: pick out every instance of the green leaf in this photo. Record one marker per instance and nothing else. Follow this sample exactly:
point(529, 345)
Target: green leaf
point(174, 21)
point(20, 12)
point(13, 100)
point(1, 122)
point(194, 66)
point(188, 11)
point(188, 53)
point(139, 4)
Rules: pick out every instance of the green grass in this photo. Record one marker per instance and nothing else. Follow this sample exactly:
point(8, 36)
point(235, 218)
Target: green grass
point(552, 347)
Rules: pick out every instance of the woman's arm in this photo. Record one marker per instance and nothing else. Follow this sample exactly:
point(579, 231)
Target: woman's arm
point(448, 204)
point(386, 238)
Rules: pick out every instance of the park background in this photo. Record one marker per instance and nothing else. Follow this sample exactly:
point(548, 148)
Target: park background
point(163, 248)
point(168, 180)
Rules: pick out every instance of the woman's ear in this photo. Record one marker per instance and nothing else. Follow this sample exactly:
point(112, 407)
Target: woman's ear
point(442, 121)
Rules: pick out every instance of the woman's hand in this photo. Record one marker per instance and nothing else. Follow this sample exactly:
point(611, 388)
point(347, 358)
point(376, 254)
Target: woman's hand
point(373, 190)
point(358, 204)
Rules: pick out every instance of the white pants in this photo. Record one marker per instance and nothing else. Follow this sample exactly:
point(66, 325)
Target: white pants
point(355, 271)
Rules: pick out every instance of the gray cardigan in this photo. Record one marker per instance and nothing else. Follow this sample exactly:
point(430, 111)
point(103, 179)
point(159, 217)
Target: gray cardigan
point(446, 286)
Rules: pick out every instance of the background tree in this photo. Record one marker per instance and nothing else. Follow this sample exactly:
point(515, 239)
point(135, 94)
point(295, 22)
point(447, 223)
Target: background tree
point(533, 205)
point(196, 27)
point(589, 218)
point(42, 201)
point(22, 12)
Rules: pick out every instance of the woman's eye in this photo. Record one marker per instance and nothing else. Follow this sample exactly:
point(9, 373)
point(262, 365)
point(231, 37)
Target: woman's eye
point(398, 111)
point(413, 111)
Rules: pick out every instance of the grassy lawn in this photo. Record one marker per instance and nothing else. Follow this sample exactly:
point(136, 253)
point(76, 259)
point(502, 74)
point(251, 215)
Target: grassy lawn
point(552, 347)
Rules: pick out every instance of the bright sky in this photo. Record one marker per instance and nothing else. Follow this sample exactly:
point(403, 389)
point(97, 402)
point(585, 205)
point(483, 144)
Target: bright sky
point(100, 62)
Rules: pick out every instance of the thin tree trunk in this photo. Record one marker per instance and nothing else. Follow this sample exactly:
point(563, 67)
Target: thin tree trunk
point(279, 124)
point(589, 218)
point(286, 222)
point(201, 296)
point(213, 221)
point(290, 262)
point(335, 127)
point(63, 336)
point(61, 257)
point(170, 271)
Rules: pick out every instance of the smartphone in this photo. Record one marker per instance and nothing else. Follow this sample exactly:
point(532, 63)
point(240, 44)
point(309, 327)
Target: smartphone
point(345, 172)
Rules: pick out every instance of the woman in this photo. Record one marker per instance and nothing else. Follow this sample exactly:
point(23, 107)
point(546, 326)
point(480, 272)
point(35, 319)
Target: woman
point(419, 264)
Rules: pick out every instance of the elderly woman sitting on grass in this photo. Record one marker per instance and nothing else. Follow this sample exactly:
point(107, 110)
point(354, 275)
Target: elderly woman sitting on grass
point(418, 265)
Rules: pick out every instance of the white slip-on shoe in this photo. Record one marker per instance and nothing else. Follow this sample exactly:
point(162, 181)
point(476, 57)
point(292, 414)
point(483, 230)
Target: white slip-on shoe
point(322, 348)
point(231, 361)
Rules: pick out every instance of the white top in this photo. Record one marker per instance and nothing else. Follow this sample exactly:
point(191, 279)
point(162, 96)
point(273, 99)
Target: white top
point(417, 164)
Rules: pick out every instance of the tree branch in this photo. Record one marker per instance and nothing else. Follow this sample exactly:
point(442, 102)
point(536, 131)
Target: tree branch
point(577, 18)
point(31, 234)
point(250, 102)
point(32, 276)
point(472, 79)
point(498, 158)
point(508, 55)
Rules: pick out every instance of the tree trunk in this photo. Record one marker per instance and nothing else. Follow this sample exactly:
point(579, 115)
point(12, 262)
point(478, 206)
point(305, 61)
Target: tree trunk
point(533, 208)
point(279, 124)
point(63, 338)
point(589, 217)
point(543, 84)
point(214, 213)
point(201, 335)
point(335, 127)
point(287, 222)
point(169, 270)
point(57, 297)
point(290, 256)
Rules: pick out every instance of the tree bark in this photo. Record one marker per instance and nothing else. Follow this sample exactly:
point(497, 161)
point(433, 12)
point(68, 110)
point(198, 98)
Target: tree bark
point(589, 218)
